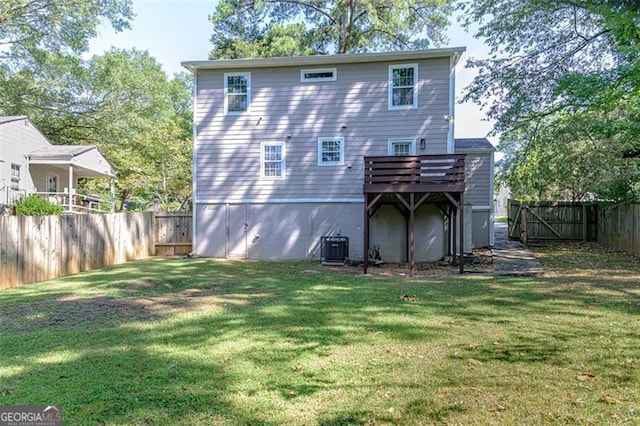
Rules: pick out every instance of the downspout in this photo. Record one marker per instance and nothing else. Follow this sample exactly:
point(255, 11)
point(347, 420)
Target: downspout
point(194, 164)
point(453, 60)
point(491, 199)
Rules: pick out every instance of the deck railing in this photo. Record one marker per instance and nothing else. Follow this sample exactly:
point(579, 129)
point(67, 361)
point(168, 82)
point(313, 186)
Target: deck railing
point(414, 173)
point(80, 203)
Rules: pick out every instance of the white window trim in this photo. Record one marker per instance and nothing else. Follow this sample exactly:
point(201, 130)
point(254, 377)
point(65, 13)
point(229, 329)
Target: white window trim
point(335, 163)
point(57, 176)
point(15, 180)
point(304, 79)
point(226, 92)
point(415, 87)
point(391, 141)
point(283, 160)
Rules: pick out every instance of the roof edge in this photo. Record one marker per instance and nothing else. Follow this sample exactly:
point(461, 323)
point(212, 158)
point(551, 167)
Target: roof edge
point(350, 58)
point(11, 118)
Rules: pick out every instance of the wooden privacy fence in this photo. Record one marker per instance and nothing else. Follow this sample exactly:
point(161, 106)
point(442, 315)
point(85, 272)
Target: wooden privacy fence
point(529, 221)
point(38, 248)
point(619, 227)
point(173, 233)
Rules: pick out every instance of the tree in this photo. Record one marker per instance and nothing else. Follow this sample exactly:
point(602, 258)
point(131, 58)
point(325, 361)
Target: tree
point(557, 158)
point(30, 27)
point(141, 120)
point(40, 44)
point(563, 83)
point(264, 28)
point(552, 56)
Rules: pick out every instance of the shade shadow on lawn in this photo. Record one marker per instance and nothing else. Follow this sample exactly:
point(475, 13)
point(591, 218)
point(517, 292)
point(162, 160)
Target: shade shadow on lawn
point(210, 342)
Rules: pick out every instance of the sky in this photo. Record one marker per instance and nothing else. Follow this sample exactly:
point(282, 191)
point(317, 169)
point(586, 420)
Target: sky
point(174, 31)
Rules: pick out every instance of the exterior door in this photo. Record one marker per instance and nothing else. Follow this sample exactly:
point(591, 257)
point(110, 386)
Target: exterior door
point(52, 182)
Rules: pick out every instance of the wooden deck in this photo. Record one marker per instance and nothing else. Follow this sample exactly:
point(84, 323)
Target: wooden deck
point(412, 181)
point(417, 173)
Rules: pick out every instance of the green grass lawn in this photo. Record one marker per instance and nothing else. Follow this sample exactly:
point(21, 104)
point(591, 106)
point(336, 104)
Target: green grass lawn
point(220, 342)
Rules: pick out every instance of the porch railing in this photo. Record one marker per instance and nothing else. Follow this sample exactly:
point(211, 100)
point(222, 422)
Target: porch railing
point(80, 203)
point(414, 173)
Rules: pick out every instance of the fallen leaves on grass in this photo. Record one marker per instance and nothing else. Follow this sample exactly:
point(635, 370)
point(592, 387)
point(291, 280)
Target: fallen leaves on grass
point(408, 298)
point(607, 399)
point(585, 377)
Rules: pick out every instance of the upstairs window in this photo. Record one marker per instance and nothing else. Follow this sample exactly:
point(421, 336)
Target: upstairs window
point(237, 93)
point(272, 159)
point(320, 74)
point(330, 151)
point(402, 146)
point(403, 92)
point(15, 177)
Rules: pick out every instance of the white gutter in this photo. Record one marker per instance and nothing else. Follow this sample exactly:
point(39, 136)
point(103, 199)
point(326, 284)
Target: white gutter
point(194, 165)
point(350, 58)
point(453, 60)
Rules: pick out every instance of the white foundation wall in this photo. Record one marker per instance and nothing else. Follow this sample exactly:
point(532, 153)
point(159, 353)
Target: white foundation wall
point(482, 227)
point(431, 238)
point(276, 230)
point(389, 231)
point(293, 231)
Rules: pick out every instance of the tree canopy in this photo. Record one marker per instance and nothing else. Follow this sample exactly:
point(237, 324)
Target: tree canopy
point(31, 27)
point(266, 28)
point(121, 101)
point(562, 83)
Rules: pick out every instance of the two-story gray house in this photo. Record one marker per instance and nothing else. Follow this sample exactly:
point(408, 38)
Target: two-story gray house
point(288, 150)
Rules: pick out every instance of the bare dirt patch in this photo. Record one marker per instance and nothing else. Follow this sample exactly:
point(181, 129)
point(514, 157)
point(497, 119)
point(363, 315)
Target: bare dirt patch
point(73, 313)
point(479, 262)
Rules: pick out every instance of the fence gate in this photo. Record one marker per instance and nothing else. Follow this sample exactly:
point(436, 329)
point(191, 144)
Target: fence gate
point(552, 221)
point(173, 233)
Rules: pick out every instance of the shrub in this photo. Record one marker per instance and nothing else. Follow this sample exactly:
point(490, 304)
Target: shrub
point(34, 205)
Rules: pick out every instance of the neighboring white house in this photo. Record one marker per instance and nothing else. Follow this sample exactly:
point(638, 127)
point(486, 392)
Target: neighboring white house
point(30, 164)
point(280, 146)
point(502, 200)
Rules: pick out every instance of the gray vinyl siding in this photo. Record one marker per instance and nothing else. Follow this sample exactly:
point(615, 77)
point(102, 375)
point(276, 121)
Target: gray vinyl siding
point(479, 193)
point(477, 179)
point(283, 109)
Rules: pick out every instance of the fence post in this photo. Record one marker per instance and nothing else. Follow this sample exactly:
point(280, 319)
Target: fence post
point(523, 224)
point(585, 223)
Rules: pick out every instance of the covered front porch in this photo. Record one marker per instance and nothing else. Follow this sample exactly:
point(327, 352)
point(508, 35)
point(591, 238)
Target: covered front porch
point(409, 182)
point(57, 169)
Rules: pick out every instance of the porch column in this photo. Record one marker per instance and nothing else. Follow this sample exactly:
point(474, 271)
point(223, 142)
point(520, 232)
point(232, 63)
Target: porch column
point(71, 189)
point(112, 200)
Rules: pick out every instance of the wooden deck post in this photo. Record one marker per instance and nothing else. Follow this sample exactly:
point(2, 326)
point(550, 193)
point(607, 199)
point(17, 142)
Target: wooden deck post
point(412, 236)
point(366, 233)
point(454, 230)
point(461, 208)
